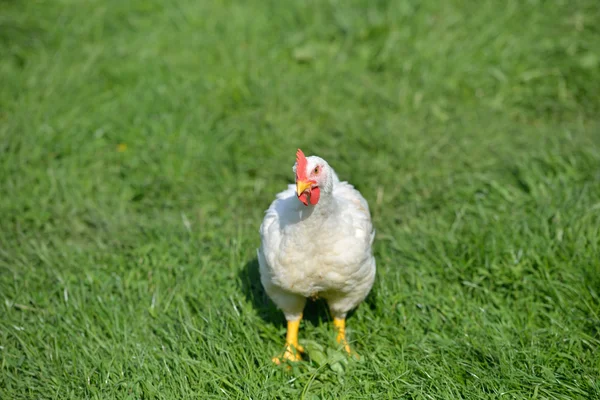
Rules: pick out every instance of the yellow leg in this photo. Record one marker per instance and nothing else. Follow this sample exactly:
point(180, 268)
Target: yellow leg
point(292, 348)
point(340, 326)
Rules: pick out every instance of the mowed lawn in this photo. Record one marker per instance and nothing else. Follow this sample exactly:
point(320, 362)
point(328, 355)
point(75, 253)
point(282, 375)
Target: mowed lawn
point(141, 142)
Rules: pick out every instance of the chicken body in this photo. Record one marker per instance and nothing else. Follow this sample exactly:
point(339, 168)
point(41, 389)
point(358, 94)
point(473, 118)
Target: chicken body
point(322, 249)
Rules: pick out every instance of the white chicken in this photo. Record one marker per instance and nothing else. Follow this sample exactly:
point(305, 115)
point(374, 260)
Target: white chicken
point(316, 241)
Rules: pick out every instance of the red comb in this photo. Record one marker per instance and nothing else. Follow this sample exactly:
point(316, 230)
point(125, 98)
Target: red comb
point(301, 167)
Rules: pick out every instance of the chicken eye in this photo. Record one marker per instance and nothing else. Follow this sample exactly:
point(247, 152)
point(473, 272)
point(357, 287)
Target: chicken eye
point(316, 170)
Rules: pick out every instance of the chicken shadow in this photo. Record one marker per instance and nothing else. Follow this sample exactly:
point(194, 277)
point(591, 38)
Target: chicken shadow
point(316, 311)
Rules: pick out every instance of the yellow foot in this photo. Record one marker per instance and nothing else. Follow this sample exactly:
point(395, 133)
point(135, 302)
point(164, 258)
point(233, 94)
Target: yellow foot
point(340, 326)
point(291, 353)
point(292, 348)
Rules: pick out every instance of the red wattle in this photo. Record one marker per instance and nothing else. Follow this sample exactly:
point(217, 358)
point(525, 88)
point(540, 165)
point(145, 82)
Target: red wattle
point(315, 193)
point(303, 198)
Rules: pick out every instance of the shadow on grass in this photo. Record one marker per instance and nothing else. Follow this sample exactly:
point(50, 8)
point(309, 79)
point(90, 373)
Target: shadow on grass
point(316, 311)
point(255, 293)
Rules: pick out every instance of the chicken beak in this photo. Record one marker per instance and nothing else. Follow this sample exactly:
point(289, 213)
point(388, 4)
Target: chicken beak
point(302, 186)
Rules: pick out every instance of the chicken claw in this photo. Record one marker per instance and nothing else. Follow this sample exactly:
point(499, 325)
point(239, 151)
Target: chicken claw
point(340, 326)
point(292, 348)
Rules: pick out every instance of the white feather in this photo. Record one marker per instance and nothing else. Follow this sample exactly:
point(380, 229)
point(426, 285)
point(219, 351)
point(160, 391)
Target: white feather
point(323, 250)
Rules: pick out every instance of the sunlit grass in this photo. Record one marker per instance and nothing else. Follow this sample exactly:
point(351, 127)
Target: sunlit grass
point(141, 142)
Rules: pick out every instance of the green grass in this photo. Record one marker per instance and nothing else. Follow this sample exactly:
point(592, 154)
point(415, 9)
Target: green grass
point(472, 128)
